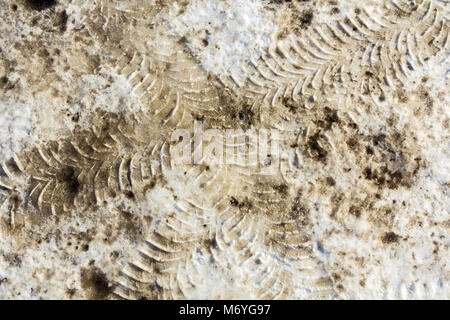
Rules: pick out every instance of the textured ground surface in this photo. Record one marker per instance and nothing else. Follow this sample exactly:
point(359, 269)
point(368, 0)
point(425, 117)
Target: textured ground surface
point(93, 207)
